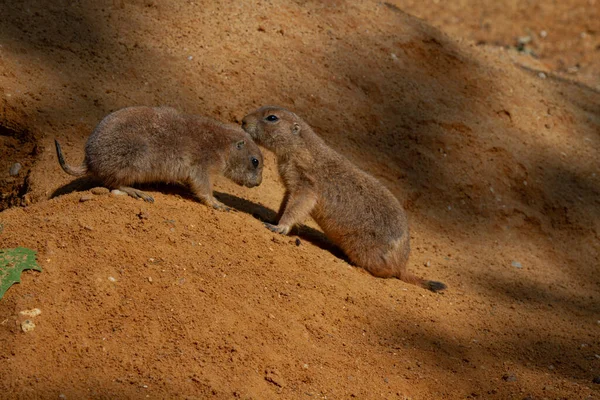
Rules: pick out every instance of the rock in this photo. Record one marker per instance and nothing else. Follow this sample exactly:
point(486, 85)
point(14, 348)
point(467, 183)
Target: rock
point(100, 191)
point(596, 380)
point(516, 264)
point(86, 197)
point(14, 169)
point(27, 325)
point(26, 201)
point(298, 242)
point(34, 312)
point(509, 378)
point(524, 39)
point(117, 192)
point(272, 376)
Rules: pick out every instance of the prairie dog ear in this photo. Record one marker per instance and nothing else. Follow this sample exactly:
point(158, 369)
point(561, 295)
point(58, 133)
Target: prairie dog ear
point(240, 144)
point(295, 128)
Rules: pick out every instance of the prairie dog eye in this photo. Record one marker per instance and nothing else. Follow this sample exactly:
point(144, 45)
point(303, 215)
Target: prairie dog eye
point(272, 118)
point(255, 162)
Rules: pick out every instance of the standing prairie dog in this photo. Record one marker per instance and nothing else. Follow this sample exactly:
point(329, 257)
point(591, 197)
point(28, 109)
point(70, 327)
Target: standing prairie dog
point(355, 211)
point(146, 144)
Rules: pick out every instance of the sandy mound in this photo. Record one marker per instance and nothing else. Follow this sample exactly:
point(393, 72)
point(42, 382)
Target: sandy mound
point(493, 152)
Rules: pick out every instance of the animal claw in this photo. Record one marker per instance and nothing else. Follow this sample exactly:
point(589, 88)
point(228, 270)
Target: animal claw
point(220, 206)
point(277, 228)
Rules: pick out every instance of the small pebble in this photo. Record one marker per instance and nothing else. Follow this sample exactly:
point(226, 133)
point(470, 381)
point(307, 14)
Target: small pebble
point(298, 242)
point(27, 325)
point(100, 191)
point(516, 264)
point(524, 40)
point(110, 278)
point(26, 200)
point(86, 197)
point(596, 380)
point(34, 312)
point(14, 170)
point(542, 75)
point(117, 192)
point(272, 376)
point(509, 378)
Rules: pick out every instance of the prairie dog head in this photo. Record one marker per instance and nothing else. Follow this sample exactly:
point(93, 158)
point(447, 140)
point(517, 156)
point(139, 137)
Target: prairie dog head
point(275, 128)
point(245, 162)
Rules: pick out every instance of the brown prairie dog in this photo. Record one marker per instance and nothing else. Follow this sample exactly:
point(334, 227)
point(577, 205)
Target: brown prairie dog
point(355, 211)
point(159, 144)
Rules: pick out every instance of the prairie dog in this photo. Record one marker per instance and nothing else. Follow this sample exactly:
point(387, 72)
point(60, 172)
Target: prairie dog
point(159, 144)
point(355, 211)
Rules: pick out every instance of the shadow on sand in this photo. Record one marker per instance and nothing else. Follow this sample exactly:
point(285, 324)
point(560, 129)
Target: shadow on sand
point(256, 210)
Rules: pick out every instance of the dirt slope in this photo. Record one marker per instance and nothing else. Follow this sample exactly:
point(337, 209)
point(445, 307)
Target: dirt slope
point(493, 152)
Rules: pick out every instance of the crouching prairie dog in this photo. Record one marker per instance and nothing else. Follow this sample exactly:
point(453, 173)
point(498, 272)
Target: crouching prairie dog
point(355, 211)
point(146, 144)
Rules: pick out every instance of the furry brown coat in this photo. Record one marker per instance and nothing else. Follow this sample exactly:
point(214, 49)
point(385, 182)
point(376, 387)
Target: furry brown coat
point(145, 144)
point(355, 211)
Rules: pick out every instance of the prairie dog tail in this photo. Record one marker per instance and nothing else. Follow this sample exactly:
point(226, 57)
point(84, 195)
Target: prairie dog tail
point(75, 171)
point(434, 286)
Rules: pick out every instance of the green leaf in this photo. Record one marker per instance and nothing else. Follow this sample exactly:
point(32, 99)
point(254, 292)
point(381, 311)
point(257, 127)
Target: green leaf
point(12, 263)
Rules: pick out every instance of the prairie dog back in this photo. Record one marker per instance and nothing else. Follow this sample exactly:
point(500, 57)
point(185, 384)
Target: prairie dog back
point(355, 211)
point(144, 144)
